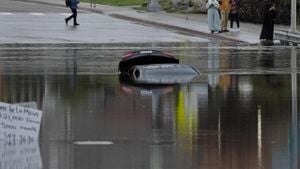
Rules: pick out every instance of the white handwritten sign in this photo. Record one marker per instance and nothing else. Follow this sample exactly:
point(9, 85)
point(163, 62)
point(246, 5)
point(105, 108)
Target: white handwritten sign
point(31, 105)
point(20, 156)
point(19, 123)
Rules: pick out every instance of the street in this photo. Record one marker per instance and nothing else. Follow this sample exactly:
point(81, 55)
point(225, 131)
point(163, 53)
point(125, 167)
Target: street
point(23, 22)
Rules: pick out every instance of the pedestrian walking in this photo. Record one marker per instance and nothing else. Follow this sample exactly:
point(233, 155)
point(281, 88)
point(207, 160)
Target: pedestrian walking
point(73, 5)
point(234, 13)
point(268, 21)
point(213, 16)
point(225, 10)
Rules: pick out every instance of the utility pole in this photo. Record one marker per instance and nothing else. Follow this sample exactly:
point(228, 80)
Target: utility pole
point(187, 5)
point(153, 6)
point(293, 16)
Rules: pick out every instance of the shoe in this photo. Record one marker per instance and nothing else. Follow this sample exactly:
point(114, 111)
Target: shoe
point(211, 31)
point(220, 31)
point(66, 21)
point(225, 30)
point(76, 24)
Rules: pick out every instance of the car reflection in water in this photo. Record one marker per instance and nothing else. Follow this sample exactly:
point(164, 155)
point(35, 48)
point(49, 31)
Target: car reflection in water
point(155, 67)
point(156, 80)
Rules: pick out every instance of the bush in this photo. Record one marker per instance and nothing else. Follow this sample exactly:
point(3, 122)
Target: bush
point(251, 11)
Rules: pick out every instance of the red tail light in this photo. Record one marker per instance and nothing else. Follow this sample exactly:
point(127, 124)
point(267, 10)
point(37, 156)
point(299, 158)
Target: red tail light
point(168, 54)
point(127, 55)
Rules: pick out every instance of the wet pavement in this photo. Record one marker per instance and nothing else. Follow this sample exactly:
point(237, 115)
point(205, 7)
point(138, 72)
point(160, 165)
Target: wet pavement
point(240, 112)
point(42, 21)
point(36, 27)
point(192, 23)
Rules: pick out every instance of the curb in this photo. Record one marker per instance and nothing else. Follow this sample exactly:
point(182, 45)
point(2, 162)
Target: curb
point(100, 45)
point(169, 26)
point(207, 35)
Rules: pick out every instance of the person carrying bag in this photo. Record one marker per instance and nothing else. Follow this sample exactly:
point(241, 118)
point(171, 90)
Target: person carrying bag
point(73, 5)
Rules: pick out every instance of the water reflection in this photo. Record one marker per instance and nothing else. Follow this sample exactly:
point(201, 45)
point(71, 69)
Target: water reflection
point(241, 113)
point(213, 63)
point(20, 155)
point(294, 138)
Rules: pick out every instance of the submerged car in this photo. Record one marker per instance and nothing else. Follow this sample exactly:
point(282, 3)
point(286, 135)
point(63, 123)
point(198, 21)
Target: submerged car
point(154, 67)
point(163, 73)
point(145, 57)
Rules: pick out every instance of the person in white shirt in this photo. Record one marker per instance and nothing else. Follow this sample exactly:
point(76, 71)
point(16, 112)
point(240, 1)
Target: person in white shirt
point(213, 16)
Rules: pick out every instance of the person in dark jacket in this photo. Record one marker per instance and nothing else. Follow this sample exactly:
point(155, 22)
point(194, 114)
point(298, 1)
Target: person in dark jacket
point(73, 6)
point(234, 13)
point(268, 21)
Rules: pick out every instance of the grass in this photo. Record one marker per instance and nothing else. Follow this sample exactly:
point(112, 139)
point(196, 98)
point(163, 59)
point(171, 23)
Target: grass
point(117, 2)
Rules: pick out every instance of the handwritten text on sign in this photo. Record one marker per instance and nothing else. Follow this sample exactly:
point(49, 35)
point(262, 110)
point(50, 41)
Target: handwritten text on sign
point(18, 122)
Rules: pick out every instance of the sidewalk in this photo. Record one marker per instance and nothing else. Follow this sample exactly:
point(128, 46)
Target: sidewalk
point(196, 23)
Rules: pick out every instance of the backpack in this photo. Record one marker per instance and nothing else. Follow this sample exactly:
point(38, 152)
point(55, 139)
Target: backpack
point(68, 3)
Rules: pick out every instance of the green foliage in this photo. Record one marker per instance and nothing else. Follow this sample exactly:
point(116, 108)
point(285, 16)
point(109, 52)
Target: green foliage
point(117, 2)
point(251, 11)
point(167, 6)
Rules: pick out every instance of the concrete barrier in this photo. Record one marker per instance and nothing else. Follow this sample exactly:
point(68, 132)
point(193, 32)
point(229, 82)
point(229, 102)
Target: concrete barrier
point(287, 37)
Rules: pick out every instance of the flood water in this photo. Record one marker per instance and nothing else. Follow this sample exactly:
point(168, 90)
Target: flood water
point(241, 112)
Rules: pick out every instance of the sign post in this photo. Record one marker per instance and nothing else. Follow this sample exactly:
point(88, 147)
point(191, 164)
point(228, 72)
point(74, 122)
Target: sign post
point(187, 9)
point(93, 3)
point(153, 6)
point(293, 16)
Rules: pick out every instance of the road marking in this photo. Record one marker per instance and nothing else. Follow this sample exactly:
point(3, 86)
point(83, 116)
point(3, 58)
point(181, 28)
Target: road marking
point(6, 13)
point(36, 13)
point(66, 14)
point(93, 143)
